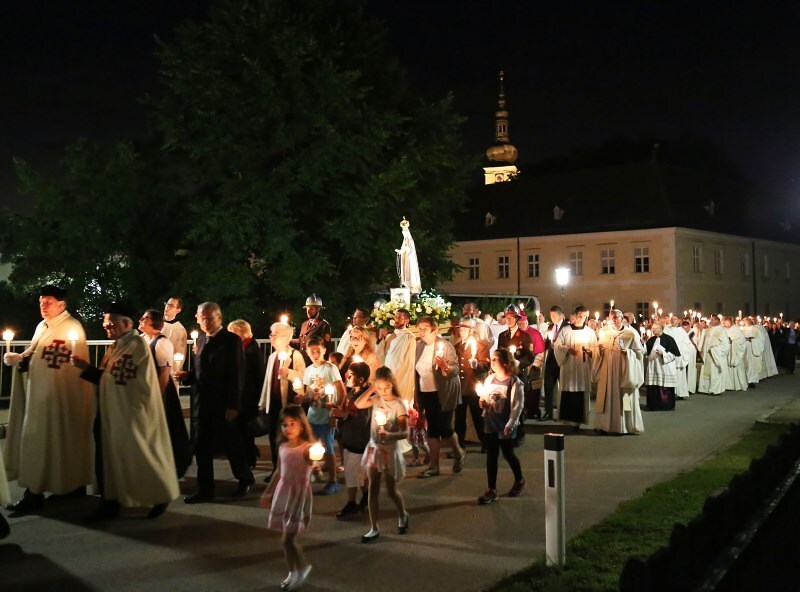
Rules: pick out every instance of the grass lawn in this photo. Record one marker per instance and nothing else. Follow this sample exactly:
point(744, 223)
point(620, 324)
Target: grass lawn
point(639, 527)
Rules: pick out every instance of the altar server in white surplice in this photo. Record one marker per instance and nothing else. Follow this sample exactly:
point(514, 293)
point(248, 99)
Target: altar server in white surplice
point(398, 353)
point(686, 359)
point(49, 445)
point(736, 377)
point(573, 350)
point(138, 467)
point(714, 347)
point(618, 371)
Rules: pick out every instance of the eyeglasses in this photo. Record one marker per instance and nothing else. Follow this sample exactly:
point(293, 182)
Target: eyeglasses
point(357, 338)
point(109, 325)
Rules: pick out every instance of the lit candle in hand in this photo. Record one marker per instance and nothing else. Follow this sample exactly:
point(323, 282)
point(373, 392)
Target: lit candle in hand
point(8, 337)
point(178, 358)
point(285, 319)
point(73, 337)
point(380, 419)
point(317, 451)
point(330, 392)
point(512, 349)
point(283, 356)
point(194, 335)
point(297, 384)
point(358, 359)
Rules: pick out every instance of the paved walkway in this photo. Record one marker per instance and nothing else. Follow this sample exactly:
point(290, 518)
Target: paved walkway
point(453, 544)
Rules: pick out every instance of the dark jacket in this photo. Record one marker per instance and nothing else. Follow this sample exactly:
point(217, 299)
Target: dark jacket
point(466, 373)
point(522, 341)
point(253, 379)
point(218, 375)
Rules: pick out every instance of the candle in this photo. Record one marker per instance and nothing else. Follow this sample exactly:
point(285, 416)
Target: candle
point(521, 306)
point(440, 350)
point(596, 316)
point(473, 345)
point(317, 451)
point(194, 334)
point(73, 337)
point(512, 349)
point(297, 384)
point(285, 319)
point(380, 418)
point(358, 359)
point(655, 305)
point(480, 389)
point(740, 314)
point(611, 304)
point(178, 358)
point(8, 337)
point(660, 311)
point(684, 314)
point(283, 356)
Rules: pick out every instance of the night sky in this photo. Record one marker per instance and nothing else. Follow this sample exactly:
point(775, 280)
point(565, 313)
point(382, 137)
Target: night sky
point(576, 74)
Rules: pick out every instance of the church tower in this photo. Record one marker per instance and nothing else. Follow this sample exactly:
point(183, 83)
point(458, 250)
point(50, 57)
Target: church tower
point(502, 154)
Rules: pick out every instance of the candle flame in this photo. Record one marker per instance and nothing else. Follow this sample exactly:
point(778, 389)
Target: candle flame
point(285, 319)
point(8, 335)
point(178, 357)
point(317, 451)
point(194, 335)
point(380, 418)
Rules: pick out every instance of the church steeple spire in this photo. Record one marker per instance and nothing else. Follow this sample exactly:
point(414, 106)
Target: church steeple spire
point(502, 154)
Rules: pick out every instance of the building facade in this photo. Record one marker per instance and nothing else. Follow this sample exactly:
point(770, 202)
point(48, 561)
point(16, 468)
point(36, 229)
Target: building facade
point(679, 268)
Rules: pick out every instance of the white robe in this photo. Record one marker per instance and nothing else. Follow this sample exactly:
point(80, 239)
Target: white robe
point(660, 368)
point(768, 366)
point(398, 352)
point(617, 407)
point(736, 376)
point(50, 445)
point(176, 333)
point(138, 466)
point(575, 374)
point(685, 362)
point(575, 371)
point(753, 357)
point(714, 347)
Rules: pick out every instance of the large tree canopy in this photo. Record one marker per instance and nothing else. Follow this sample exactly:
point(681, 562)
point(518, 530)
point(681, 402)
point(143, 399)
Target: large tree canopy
point(288, 146)
point(305, 147)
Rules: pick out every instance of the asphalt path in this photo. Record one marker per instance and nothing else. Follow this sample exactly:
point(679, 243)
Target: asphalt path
point(452, 544)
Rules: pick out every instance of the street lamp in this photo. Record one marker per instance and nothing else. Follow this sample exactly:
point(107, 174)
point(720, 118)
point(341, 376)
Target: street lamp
point(562, 279)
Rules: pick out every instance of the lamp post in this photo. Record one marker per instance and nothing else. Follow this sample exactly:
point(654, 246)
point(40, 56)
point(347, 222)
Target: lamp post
point(562, 279)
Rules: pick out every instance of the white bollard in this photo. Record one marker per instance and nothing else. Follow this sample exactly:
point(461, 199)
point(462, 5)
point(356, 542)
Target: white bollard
point(554, 495)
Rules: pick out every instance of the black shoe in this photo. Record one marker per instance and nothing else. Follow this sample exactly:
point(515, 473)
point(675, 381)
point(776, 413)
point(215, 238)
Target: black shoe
point(157, 510)
point(536, 414)
point(5, 529)
point(199, 497)
point(268, 477)
point(30, 502)
point(79, 492)
point(546, 417)
point(243, 488)
point(349, 510)
point(107, 510)
point(402, 524)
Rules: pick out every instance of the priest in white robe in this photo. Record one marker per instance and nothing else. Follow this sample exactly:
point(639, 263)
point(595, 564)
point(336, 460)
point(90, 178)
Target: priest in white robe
point(360, 319)
point(661, 372)
point(49, 445)
point(686, 361)
point(768, 366)
point(138, 468)
point(714, 348)
point(736, 377)
point(398, 353)
point(573, 350)
point(617, 369)
point(754, 350)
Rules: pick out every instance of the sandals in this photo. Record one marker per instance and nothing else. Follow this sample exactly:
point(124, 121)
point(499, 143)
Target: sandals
point(428, 473)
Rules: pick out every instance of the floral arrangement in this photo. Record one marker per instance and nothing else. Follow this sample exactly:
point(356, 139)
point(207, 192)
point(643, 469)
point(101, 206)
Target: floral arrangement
point(430, 304)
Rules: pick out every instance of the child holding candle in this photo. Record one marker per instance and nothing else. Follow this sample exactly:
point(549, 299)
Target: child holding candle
point(323, 387)
point(383, 455)
point(288, 495)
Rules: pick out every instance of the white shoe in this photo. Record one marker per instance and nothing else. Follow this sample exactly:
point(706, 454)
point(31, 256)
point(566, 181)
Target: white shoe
point(288, 580)
point(300, 578)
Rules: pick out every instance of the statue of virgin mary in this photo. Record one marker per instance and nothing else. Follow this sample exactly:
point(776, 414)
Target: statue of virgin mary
point(407, 265)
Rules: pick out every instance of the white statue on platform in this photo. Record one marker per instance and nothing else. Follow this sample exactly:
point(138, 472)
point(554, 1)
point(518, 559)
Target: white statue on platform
point(407, 265)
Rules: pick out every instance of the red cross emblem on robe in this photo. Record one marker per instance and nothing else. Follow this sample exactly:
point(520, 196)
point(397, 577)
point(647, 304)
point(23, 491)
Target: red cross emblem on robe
point(123, 369)
point(56, 353)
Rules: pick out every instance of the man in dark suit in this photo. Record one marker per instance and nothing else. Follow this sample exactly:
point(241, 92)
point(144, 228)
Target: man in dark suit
point(218, 376)
point(551, 370)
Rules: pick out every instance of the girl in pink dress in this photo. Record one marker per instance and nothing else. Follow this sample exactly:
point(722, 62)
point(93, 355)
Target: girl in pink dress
point(288, 495)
